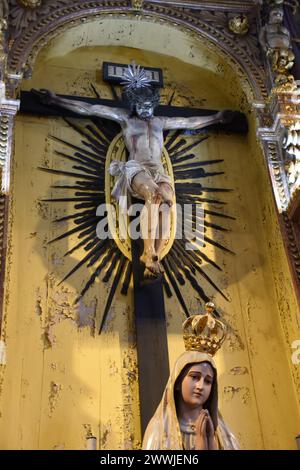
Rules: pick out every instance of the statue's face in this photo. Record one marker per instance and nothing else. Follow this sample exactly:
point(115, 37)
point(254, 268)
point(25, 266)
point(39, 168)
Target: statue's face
point(145, 110)
point(196, 385)
point(276, 15)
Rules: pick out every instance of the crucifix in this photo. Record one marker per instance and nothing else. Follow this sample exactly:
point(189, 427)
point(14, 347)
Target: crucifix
point(144, 178)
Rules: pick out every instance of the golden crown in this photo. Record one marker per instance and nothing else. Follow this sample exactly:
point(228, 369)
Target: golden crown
point(204, 333)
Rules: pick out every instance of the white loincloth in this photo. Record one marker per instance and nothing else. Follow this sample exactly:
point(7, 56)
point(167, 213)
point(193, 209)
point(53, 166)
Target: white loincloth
point(126, 171)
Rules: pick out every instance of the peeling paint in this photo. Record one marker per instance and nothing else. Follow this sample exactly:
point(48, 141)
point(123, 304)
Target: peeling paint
point(229, 392)
point(59, 447)
point(106, 431)
point(60, 307)
point(24, 387)
point(130, 365)
point(234, 341)
point(238, 370)
point(86, 314)
point(88, 430)
point(57, 260)
point(48, 337)
point(2, 370)
point(274, 389)
point(38, 302)
point(2, 352)
point(129, 388)
point(113, 369)
point(55, 390)
point(42, 209)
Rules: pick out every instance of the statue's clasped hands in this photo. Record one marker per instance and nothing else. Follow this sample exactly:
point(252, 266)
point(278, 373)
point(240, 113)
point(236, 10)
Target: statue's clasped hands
point(204, 431)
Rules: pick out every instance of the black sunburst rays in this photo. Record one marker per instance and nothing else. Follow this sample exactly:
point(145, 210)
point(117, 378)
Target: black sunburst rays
point(87, 188)
point(181, 264)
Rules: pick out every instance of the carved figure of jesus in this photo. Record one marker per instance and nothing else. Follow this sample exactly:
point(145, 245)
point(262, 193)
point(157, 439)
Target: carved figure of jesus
point(143, 174)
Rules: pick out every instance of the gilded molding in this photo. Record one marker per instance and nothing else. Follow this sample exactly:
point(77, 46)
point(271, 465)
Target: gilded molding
point(8, 110)
point(239, 25)
point(2, 223)
point(3, 42)
point(30, 3)
point(293, 204)
point(291, 144)
point(29, 21)
point(279, 121)
point(284, 195)
point(213, 5)
point(276, 166)
point(137, 4)
point(280, 116)
point(283, 199)
point(293, 247)
point(283, 104)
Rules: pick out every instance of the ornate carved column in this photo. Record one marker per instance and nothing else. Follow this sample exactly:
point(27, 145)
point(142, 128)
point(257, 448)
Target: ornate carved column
point(8, 110)
point(279, 127)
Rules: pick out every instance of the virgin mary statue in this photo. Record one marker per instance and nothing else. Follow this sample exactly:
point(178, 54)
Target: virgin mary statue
point(187, 417)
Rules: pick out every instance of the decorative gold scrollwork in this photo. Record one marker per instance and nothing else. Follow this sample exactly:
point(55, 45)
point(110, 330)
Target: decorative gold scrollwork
point(30, 3)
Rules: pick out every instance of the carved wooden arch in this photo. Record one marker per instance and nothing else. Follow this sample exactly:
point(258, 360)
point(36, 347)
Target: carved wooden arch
point(51, 21)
